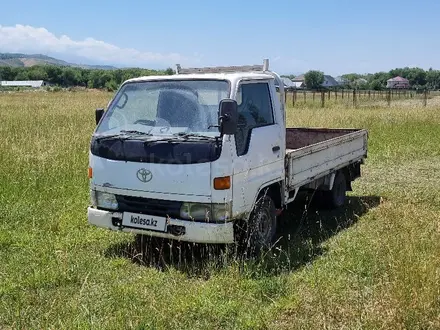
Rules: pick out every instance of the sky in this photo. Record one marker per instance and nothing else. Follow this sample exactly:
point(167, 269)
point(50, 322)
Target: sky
point(336, 37)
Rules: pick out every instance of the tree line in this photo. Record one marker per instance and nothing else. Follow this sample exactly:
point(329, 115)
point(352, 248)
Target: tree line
point(65, 76)
point(418, 79)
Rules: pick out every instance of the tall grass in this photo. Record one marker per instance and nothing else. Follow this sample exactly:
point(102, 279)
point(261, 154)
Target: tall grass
point(374, 264)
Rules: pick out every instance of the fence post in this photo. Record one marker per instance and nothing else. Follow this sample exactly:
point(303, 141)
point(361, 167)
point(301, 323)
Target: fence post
point(389, 97)
point(342, 94)
point(329, 95)
point(322, 99)
point(313, 96)
point(425, 98)
point(293, 98)
point(285, 97)
point(354, 98)
point(336, 94)
point(369, 94)
point(304, 96)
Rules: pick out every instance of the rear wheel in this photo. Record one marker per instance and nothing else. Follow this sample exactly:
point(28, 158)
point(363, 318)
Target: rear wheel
point(336, 197)
point(262, 225)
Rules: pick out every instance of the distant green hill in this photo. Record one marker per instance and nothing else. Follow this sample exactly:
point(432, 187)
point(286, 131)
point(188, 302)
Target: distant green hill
point(28, 60)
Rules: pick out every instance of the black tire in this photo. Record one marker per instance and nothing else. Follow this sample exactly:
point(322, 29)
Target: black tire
point(262, 225)
point(336, 197)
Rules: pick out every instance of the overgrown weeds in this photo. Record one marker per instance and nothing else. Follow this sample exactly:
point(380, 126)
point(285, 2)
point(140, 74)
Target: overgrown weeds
point(373, 264)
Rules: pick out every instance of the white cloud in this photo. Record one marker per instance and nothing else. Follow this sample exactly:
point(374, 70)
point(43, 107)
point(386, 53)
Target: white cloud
point(29, 39)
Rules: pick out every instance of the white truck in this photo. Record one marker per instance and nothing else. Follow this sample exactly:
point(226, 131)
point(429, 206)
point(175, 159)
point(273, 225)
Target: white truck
point(204, 156)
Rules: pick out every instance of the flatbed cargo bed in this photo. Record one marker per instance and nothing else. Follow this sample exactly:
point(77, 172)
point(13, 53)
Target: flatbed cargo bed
point(312, 153)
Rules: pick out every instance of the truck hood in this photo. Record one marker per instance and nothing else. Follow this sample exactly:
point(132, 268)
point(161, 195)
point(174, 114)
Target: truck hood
point(181, 179)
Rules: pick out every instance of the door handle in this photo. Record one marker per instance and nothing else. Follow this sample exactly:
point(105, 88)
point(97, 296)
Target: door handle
point(276, 148)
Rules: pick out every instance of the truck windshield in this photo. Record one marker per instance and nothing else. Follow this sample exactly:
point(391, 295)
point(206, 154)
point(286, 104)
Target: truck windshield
point(166, 108)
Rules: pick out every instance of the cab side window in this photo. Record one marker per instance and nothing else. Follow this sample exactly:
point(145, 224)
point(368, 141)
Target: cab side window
point(254, 110)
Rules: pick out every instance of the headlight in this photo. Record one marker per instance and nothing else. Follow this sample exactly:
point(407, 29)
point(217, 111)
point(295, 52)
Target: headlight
point(221, 212)
point(104, 200)
point(195, 211)
point(92, 197)
point(205, 212)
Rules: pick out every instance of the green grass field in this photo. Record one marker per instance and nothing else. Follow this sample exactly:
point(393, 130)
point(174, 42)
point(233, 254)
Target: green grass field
point(373, 265)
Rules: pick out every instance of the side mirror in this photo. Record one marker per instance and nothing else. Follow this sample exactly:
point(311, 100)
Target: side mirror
point(98, 115)
point(228, 116)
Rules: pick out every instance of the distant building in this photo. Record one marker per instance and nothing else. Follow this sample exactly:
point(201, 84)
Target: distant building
point(398, 82)
point(24, 83)
point(287, 83)
point(299, 78)
point(329, 81)
point(341, 81)
point(299, 84)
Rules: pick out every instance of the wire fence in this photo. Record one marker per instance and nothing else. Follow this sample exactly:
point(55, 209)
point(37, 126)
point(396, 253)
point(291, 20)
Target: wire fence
point(354, 98)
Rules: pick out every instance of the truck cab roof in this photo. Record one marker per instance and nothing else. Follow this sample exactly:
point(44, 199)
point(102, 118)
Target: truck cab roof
point(231, 76)
point(230, 73)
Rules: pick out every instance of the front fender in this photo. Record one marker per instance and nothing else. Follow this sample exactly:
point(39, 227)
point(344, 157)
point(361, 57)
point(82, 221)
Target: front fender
point(274, 187)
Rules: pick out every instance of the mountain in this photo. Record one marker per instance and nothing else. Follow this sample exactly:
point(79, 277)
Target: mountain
point(27, 60)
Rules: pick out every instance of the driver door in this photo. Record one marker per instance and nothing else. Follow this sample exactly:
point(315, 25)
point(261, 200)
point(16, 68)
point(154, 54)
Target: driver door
point(258, 143)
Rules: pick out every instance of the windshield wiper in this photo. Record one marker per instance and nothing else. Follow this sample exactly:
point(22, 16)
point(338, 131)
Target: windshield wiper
point(124, 136)
point(193, 135)
point(176, 137)
point(137, 132)
point(107, 137)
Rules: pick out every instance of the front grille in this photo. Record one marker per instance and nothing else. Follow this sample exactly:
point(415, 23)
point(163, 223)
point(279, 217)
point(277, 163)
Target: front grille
point(157, 207)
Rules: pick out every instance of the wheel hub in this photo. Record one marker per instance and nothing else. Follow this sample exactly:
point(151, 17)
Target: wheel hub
point(263, 226)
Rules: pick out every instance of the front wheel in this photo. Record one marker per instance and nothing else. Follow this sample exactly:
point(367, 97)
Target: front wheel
point(262, 225)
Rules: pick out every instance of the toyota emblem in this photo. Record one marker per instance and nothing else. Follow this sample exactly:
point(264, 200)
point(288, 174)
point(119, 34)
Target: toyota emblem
point(144, 175)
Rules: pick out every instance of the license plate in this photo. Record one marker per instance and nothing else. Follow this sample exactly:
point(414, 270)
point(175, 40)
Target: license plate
point(142, 221)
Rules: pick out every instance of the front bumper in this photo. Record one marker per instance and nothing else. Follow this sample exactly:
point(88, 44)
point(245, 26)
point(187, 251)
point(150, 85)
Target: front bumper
point(197, 232)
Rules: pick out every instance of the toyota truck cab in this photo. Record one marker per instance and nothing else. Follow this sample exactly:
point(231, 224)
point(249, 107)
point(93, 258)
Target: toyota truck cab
point(201, 154)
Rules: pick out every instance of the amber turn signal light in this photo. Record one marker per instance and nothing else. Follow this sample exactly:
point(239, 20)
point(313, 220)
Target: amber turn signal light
point(90, 173)
point(222, 183)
